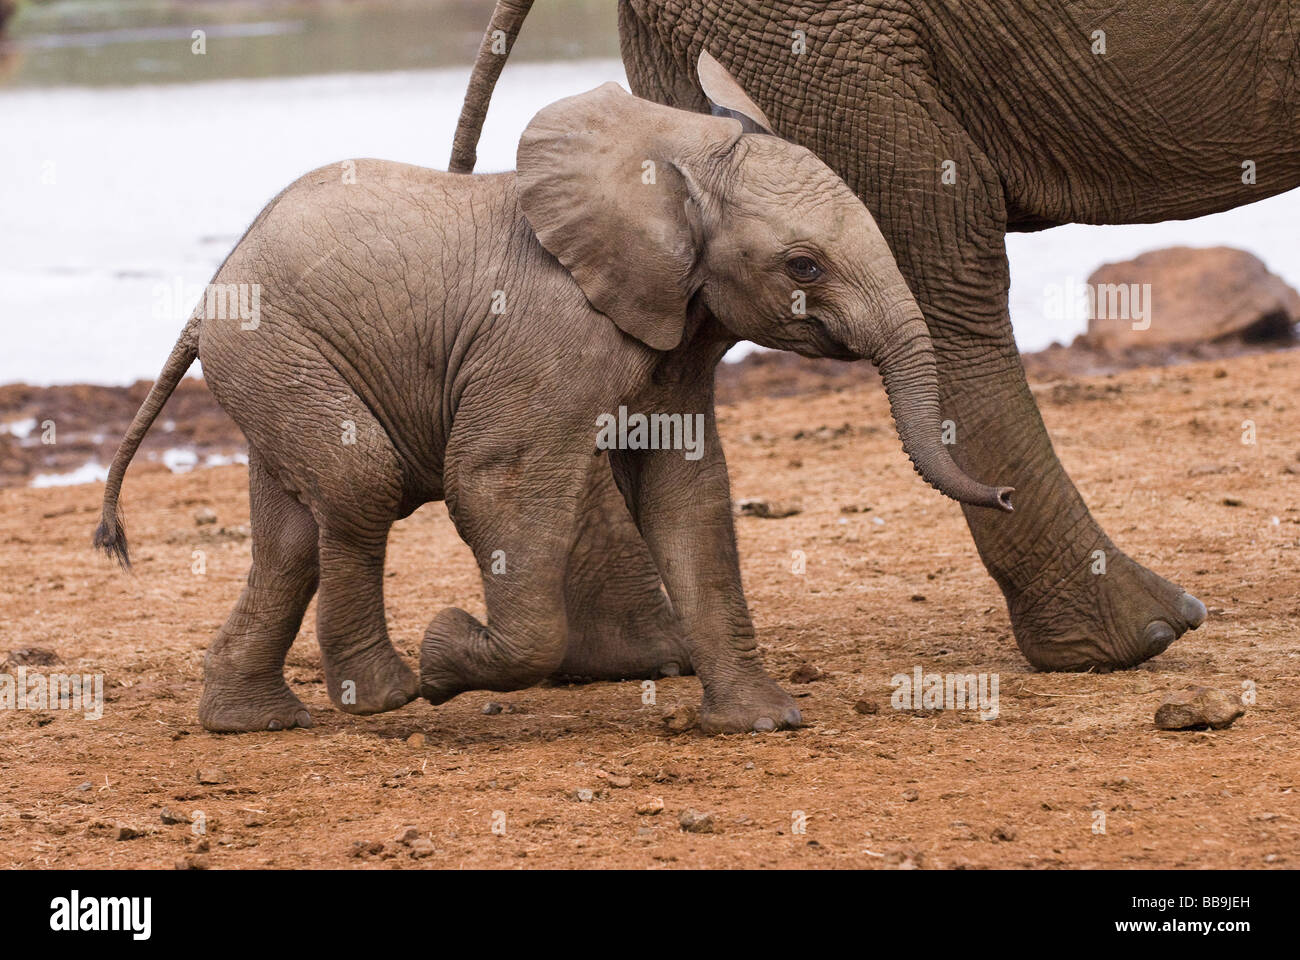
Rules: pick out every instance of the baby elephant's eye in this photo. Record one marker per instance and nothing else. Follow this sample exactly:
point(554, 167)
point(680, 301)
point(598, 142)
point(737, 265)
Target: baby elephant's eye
point(804, 269)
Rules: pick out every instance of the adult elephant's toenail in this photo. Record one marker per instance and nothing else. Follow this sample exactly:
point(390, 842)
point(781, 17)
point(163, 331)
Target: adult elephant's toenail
point(275, 725)
point(764, 725)
point(792, 718)
point(670, 670)
point(1191, 610)
point(1158, 635)
point(302, 718)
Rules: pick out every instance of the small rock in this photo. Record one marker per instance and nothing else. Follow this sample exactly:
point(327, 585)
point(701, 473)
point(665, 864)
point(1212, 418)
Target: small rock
point(212, 775)
point(918, 598)
point(866, 706)
point(1005, 833)
point(492, 708)
point(170, 818)
point(651, 807)
point(422, 848)
point(614, 779)
point(1198, 707)
point(124, 831)
point(204, 517)
point(31, 657)
point(408, 835)
point(911, 796)
point(1232, 501)
point(767, 510)
point(83, 787)
point(692, 821)
point(415, 740)
point(192, 862)
point(682, 718)
point(855, 508)
point(364, 848)
point(805, 673)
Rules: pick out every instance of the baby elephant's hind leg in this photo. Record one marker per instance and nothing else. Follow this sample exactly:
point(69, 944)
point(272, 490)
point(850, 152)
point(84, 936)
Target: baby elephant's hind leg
point(363, 672)
point(243, 673)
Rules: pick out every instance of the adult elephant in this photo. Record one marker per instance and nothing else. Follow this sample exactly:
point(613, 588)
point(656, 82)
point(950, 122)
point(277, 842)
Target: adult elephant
point(957, 121)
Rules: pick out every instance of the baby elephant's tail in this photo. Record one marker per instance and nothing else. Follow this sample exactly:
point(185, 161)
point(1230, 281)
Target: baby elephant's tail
point(110, 536)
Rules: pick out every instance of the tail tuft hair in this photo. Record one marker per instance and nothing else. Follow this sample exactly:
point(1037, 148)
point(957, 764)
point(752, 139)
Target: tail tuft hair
point(110, 536)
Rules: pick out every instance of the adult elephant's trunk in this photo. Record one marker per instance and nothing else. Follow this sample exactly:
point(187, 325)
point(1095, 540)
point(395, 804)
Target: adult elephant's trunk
point(905, 359)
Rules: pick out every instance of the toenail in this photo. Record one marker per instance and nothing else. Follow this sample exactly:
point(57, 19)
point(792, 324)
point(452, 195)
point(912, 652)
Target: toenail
point(764, 725)
point(275, 725)
point(1191, 610)
point(670, 670)
point(303, 718)
point(792, 718)
point(1158, 635)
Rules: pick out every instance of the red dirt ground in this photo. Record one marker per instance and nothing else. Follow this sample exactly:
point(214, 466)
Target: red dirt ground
point(1158, 452)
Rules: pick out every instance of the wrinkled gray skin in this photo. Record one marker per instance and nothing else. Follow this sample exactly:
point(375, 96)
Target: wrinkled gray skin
point(1040, 131)
point(378, 377)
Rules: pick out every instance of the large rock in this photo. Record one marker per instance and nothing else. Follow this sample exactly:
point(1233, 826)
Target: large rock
point(1195, 296)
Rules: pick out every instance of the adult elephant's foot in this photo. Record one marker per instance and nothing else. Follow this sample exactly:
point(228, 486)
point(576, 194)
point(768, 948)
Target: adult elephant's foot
point(235, 704)
point(1094, 620)
point(758, 705)
point(371, 680)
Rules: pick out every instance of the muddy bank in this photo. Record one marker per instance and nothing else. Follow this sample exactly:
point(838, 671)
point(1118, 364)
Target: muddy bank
point(89, 421)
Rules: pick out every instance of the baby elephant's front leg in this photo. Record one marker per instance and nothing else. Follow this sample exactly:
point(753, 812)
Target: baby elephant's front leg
point(520, 527)
point(683, 509)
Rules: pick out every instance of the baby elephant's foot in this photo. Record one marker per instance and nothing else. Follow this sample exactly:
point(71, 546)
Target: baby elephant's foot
point(760, 706)
point(460, 654)
point(246, 704)
point(373, 680)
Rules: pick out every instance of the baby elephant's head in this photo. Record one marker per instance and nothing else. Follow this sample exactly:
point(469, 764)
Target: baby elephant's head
point(652, 208)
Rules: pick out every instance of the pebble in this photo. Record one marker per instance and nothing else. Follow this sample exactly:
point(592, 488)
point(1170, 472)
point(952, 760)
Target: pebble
point(169, 818)
point(212, 775)
point(1197, 708)
point(866, 706)
point(204, 517)
point(692, 821)
point(422, 848)
point(805, 673)
point(1005, 833)
point(416, 740)
point(767, 510)
point(492, 708)
point(651, 807)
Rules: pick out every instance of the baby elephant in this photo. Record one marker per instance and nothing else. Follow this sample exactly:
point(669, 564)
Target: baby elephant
point(386, 336)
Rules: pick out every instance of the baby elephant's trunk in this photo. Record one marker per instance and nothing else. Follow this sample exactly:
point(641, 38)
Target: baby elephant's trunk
point(906, 363)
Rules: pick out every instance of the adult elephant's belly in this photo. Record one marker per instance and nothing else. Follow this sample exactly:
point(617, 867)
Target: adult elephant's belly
point(1134, 113)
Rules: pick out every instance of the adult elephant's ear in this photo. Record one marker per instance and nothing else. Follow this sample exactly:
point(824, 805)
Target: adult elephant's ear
point(611, 185)
point(727, 98)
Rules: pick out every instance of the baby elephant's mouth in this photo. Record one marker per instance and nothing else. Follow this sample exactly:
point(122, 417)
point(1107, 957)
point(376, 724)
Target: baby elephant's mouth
point(824, 343)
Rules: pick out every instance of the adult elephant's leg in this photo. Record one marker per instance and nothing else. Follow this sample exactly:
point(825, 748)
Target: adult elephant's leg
point(1066, 613)
point(621, 625)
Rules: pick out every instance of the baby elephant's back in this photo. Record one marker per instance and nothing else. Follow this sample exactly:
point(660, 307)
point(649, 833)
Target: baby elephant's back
point(335, 298)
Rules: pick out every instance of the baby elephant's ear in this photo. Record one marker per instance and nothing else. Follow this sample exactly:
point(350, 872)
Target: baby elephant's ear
point(726, 96)
point(604, 179)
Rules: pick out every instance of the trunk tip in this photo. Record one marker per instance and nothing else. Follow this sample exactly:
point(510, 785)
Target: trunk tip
point(1003, 498)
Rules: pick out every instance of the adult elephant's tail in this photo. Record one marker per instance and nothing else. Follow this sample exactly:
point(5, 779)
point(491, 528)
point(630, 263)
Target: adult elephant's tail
point(499, 37)
point(110, 536)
